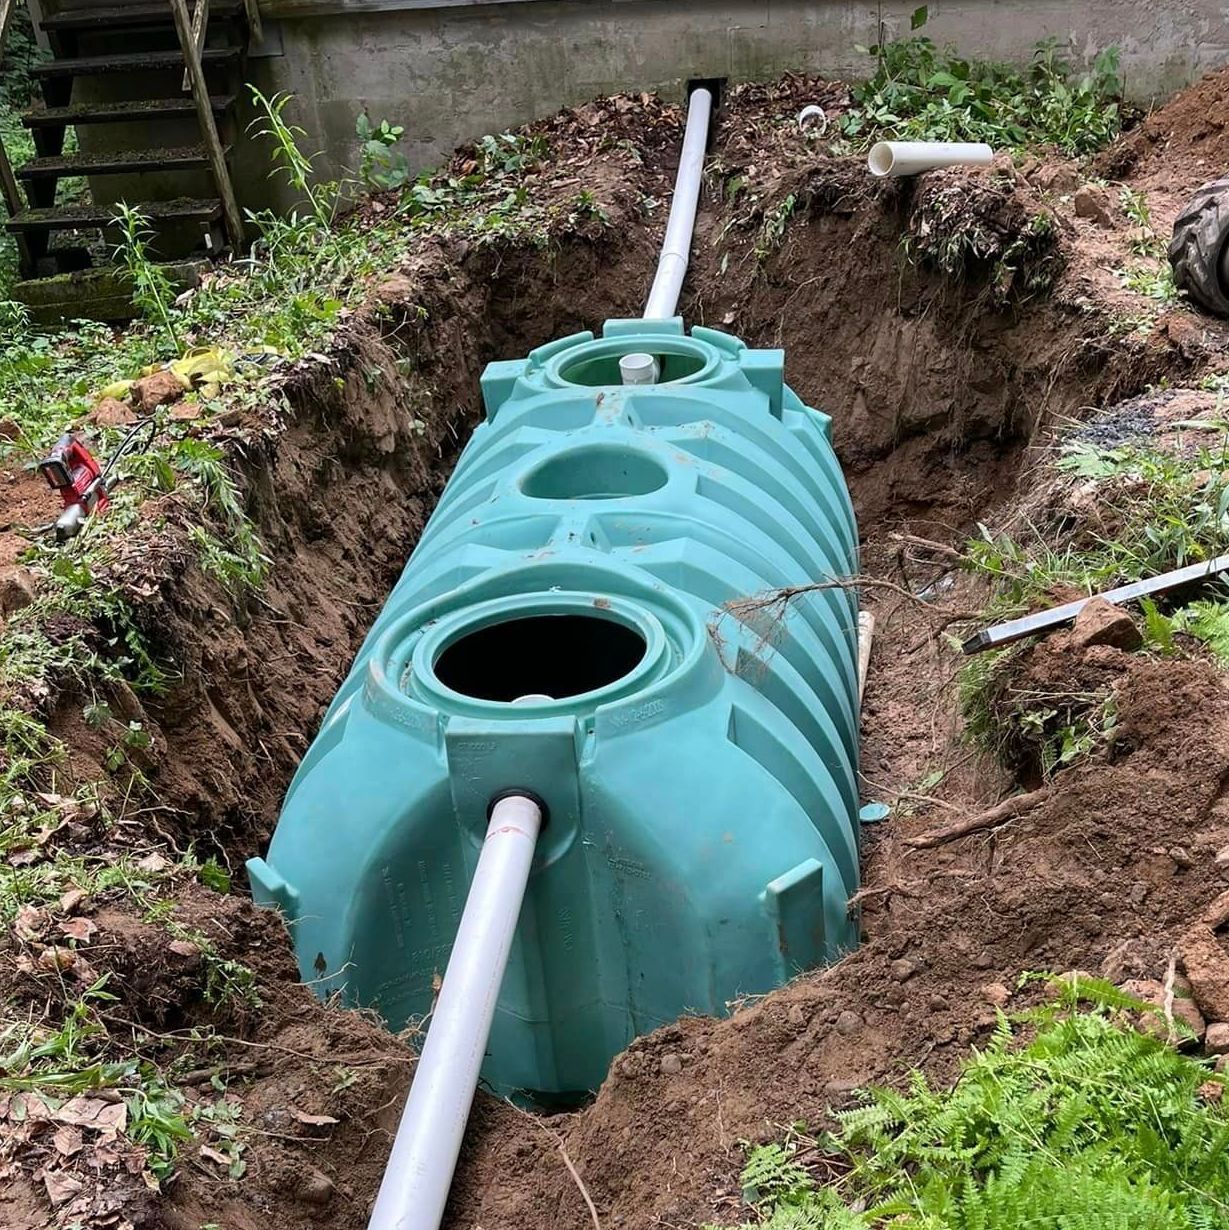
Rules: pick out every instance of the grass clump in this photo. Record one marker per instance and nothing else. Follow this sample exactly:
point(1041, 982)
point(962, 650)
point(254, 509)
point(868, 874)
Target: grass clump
point(1122, 514)
point(1151, 275)
point(1077, 1121)
point(919, 92)
point(1156, 509)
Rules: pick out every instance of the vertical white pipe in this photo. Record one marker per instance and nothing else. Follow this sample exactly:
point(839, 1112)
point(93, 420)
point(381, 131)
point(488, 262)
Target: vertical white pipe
point(676, 249)
point(415, 1186)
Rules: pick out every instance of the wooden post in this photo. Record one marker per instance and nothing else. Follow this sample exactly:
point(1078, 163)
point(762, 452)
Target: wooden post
point(200, 23)
point(209, 130)
point(251, 9)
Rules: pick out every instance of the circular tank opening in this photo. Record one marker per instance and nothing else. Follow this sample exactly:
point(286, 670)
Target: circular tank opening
point(596, 365)
point(540, 655)
point(596, 473)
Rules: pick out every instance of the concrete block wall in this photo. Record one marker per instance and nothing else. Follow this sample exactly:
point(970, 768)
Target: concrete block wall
point(452, 70)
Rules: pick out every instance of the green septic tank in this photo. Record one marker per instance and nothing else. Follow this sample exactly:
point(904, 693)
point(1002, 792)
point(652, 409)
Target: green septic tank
point(697, 759)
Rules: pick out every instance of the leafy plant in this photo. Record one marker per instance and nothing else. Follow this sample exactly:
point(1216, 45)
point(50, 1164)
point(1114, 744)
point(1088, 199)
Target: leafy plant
point(288, 156)
point(152, 292)
point(921, 93)
point(1085, 1123)
point(772, 229)
point(380, 165)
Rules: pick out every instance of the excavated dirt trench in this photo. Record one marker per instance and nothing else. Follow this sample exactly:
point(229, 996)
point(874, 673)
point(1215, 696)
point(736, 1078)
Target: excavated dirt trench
point(937, 387)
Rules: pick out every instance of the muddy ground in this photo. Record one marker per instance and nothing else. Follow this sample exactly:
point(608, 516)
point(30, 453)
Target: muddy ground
point(945, 376)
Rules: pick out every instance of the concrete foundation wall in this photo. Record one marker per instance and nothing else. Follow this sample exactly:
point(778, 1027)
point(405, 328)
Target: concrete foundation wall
point(451, 70)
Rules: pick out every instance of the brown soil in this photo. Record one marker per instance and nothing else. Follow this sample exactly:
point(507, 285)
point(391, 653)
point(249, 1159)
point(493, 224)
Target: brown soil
point(940, 382)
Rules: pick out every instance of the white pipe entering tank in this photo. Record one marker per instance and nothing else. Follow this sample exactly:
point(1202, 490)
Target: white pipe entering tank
point(676, 249)
point(415, 1186)
point(897, 158)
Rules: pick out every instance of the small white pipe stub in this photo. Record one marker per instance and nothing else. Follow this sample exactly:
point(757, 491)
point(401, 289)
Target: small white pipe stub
point(811, 114)
point(638, 369)
point(897, 158)
point(866, 635)
point(416, 1180)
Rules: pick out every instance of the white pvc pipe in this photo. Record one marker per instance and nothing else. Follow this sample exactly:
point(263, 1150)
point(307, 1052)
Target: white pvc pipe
point(415, 1186)
point(866, 635)
point(676, 249)
point(638, 369)
point(896, 158)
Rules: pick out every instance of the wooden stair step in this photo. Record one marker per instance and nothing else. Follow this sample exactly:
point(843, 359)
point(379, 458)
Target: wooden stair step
point(131, 61)
point(80, 217)
point(116, 162)
point(122, 112)
point(127, 16)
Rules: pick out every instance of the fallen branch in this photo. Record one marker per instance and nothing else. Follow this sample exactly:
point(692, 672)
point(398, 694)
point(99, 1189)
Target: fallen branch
point(1008, 809)
point(928, 544)
point(1167, 1003)
point(740, 607)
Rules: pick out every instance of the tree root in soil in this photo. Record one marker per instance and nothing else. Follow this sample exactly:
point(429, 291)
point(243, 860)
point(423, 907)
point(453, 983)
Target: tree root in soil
point(1008, 809)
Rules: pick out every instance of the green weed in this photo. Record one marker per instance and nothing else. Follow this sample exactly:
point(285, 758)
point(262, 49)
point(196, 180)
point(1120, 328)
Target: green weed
point(772, 229)
point(1079, 1121)
point(921, 93)
point(226, 981)
point(381, 166)
point(152, 292)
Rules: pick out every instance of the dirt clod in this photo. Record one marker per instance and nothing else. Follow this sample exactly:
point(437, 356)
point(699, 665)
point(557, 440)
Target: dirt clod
point(903, 969)
point(848, 1022)
point(159, 389)
point(997, 994)
point(315, 1187)
point(16, 588)
point(1092, 203)
point(111, 413)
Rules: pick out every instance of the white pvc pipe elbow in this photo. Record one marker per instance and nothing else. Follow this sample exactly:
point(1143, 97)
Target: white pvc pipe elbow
point(896, 158)
point(416, 1181)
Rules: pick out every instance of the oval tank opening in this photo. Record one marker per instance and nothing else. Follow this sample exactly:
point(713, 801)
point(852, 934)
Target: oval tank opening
point(548, 655)
point(596, 473)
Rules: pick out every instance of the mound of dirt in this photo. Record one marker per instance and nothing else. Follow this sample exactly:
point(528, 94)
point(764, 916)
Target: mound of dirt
point(1181, 145)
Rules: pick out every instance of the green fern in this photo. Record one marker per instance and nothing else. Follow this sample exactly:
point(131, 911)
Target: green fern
point(1207, 621)
point(1090, 1125)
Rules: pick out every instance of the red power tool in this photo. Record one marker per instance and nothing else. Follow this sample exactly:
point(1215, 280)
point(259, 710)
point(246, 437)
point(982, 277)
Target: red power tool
point(72, 470)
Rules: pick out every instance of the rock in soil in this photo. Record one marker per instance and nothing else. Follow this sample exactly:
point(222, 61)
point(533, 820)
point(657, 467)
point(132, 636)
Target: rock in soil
point(160, 389)
point(1103, 623)
point(1184, 1007)
point(16, 588)
point(1207, 967)
point(1216, 1039)
point(1092, 203)
point(996, 993)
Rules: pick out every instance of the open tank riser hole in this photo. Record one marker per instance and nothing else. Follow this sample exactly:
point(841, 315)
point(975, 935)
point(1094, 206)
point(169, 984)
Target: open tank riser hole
point(551, 655)
point(596, 371)
point(595, 474)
